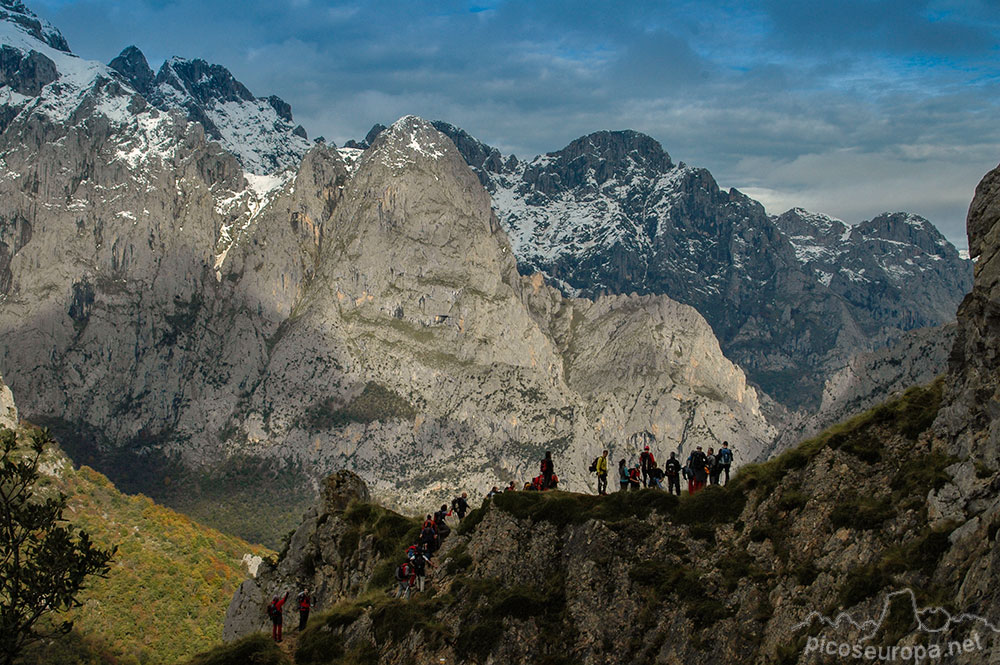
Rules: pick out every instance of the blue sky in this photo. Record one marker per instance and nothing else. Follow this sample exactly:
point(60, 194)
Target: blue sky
point(849, 108)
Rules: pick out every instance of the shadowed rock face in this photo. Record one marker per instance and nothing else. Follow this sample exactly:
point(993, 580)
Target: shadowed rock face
point(971, 417)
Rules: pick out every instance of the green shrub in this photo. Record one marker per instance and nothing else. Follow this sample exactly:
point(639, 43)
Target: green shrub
point(863, 513)
point(258, 649)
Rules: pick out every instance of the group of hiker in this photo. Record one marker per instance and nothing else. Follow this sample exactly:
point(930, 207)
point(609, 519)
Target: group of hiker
point(276, 609)
point(699, 469)
point(411, 574)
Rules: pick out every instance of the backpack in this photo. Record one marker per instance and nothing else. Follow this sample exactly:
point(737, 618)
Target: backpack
point(593, 465)
point(272, 611)
point(725, 456)
point(402, 572)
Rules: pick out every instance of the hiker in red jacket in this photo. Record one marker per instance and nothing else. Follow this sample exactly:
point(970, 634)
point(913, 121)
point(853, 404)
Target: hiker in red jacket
point(274, 612)
point(547, 470)
point(305, 604)
point(646, 463)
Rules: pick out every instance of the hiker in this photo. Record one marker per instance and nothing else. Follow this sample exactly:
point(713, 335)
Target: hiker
point(305, 604)
point(646, 462)
point(511, 488)
point(405, 577)
point(656, 477)
point(725, 459)
point(460, 505)
point(688, 474)
point(275, 613)
point(634, 477)
point(712, 462)
point(602, 474)
point(420, 564)
point(439, 522)
point(547, 470)
point(622, 475)
point(672, 468)
point(493, 492)
point(698, 470)
point(428, 535)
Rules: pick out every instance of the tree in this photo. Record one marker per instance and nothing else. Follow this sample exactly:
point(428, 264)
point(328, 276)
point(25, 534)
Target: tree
point(44, 562)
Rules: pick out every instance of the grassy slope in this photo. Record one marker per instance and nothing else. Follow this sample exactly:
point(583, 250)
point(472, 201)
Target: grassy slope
point(169, 585)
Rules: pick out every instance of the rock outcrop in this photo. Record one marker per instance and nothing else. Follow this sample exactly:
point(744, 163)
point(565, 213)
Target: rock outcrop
point(971, 416)
point(742, 574)
point(332, 554)
point(8, 411)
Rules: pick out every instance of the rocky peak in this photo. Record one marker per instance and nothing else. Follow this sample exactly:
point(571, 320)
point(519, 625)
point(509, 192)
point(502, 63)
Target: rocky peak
point(477, 154)
point(281, 107)
point(908, 228)
point(596, 158)
point(341, 488)
point(132, 64)
point(204, 82)
point(816, 226)
point(15, 12)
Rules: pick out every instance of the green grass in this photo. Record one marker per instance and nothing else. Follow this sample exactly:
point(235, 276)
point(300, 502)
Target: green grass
point(166, 594)
point(256, 649)
point(862, 513)
point(323, 642)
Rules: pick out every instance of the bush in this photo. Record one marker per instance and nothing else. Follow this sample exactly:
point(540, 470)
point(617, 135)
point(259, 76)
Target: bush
point(375, 403)
point(256, 649)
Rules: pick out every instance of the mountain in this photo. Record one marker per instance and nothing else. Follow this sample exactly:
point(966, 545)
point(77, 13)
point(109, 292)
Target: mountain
point(166, 592)
point(260, 132)
point(171, 314)
point(790, 298)
point(915, 358)
point(877, 536)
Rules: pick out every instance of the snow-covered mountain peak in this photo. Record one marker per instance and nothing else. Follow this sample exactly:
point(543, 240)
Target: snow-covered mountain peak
point(408, 141)
point(15, 12)
point(259, 131)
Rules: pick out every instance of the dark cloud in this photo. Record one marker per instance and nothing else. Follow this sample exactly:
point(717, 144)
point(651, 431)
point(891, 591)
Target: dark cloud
point(850, 107)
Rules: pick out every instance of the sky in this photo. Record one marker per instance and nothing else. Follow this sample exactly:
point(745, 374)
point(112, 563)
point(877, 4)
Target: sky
point(848, 108)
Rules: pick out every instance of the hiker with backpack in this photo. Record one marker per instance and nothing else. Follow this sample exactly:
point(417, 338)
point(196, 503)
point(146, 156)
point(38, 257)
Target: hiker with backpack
point(656, 477)
point(725, 459)
point(420, 563)
point(547, 470)
point(634, 478)
point(460, 505)
point(405, 578)
point(699, 470)
point(600, 466)
point(622, 476)
point(672, 469)
point(428, 535)
point(305, 604)
point(275, 612)
point(712, 462)
point(440, 525)
point(646, 463)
